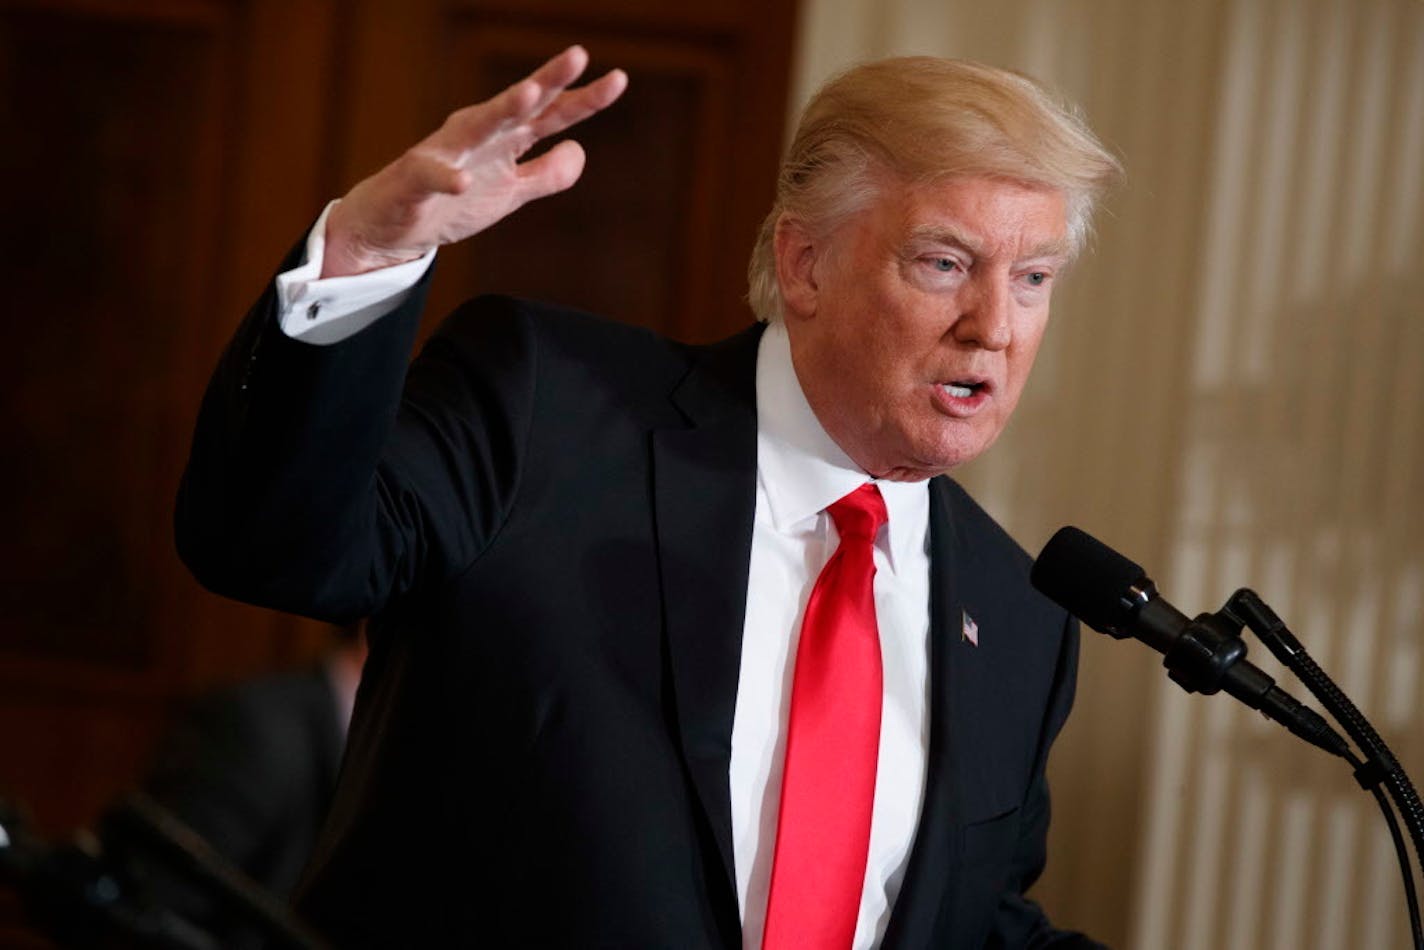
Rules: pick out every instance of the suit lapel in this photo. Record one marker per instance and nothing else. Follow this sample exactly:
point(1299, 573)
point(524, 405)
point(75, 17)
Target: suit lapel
point(934, 854)
point(967, 778)
point(704, 496)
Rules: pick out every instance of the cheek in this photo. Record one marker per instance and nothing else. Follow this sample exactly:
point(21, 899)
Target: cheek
point(1027, 339)
point(1020, 365)
point(868, 344)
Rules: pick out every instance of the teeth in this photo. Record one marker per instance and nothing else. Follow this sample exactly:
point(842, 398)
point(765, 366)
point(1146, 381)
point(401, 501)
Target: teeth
point(959, 392)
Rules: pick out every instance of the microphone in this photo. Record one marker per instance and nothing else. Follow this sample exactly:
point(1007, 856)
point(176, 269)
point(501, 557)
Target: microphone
point(1115, 596)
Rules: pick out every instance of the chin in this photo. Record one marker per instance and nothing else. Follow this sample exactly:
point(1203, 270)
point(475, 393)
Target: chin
point(926, 465)
point(939, 463)
point(906, 475)
point(916, 455)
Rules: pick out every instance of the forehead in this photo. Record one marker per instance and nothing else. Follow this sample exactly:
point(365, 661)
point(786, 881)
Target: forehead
point(990, 217)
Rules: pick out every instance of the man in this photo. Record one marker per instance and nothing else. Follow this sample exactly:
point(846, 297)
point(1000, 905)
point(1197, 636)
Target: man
point(676, 646)
point(251, 768)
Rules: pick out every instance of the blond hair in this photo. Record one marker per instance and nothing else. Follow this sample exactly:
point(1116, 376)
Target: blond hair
point(921, 118)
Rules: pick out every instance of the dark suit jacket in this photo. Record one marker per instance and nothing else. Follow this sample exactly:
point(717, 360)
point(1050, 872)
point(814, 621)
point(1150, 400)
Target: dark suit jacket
point(252, 769)
point(554, 524)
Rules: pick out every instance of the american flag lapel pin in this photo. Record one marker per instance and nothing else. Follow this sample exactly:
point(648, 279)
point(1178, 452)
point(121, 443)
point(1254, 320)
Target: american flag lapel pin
point(970, 630)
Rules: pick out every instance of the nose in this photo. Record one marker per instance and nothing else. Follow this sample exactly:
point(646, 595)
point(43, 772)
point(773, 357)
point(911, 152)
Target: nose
point(985, 317)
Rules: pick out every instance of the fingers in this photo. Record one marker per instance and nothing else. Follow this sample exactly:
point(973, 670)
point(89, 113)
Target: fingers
point(547, 81)
point(554, 171)
point(538, 106)
point(575, 105)
point(520, 102)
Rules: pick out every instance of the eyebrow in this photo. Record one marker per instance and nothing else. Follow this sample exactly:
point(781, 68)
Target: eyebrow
point(937, 233)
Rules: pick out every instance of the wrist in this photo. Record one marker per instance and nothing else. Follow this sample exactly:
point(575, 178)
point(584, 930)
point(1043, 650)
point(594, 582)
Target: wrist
point(346, 254)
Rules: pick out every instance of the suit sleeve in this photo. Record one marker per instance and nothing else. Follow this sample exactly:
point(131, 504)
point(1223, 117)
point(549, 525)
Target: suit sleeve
point(1020, 924)
point(327, 480)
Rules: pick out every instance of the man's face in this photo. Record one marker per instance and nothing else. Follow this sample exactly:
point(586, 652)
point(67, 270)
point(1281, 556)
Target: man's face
point(913, 326)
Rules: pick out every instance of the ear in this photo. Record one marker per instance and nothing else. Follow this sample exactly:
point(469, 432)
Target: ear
point(796, 251)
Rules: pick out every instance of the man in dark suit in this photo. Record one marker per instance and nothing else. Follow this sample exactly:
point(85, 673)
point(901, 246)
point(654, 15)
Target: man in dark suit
point(620, 692)
point(251, 768)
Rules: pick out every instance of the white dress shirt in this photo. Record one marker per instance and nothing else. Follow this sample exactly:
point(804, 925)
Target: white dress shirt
point(800, 472)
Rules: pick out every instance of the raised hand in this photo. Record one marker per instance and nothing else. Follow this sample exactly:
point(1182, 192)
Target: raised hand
point(467, 175)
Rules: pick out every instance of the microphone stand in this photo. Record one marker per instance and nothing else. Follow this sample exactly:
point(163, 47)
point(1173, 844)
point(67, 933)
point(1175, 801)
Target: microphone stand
point(1379, 767)
point(74, 895)
point(86, 894)
point(140, 825)
point(1205, 655)
point(1211, 645)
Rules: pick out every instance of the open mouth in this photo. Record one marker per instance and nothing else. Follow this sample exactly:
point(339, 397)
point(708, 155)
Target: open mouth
point(964, 389)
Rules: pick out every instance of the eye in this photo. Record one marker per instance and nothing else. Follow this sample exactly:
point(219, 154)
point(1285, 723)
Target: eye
point(1037, 279)
point(944, 265)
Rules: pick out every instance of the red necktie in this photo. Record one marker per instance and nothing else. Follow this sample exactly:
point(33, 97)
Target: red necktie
point(832, 745)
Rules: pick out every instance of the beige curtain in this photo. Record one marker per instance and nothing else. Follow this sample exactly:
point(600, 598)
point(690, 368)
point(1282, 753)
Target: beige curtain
point(1232, 392)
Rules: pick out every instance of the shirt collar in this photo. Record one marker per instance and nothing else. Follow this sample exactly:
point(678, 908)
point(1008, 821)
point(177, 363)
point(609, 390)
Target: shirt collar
point(803, 471)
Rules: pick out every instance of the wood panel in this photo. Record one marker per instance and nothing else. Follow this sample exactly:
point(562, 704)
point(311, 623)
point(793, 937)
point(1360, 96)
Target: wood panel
point(125, 123)
point(680, 172)
point(86, 379)
point(634, 237)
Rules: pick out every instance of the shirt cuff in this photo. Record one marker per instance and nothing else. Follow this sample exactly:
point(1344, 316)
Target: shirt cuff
point(329, 311)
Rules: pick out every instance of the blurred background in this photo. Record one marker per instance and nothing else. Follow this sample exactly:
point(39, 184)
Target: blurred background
point(1231, 392)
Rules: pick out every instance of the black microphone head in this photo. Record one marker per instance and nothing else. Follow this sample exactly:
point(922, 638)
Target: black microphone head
point(1088, 578)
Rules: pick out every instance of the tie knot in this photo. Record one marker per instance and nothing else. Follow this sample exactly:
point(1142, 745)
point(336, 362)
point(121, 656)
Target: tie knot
point(859, 514)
